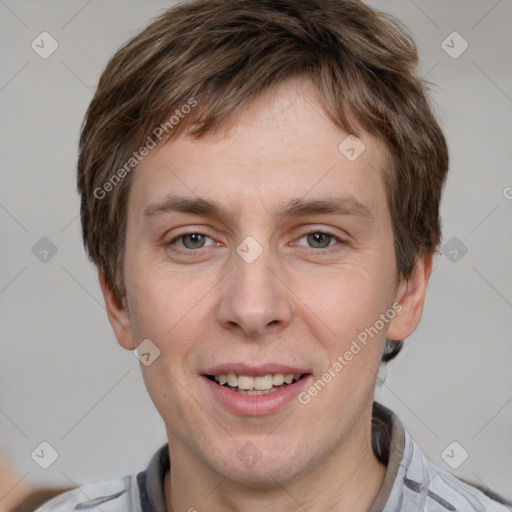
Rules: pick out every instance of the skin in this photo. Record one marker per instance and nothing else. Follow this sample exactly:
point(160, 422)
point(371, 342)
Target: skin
point(297, 304)
point(12, 488)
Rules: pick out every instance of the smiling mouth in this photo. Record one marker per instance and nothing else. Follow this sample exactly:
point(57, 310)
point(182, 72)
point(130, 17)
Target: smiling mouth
point(257, 385)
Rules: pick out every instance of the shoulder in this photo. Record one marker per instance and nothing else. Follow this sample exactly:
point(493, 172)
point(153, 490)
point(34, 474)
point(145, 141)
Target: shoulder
point(425, 482)
point(114, 495)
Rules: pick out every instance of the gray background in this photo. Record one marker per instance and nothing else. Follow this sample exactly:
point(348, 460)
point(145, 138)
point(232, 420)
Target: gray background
point(64, 379)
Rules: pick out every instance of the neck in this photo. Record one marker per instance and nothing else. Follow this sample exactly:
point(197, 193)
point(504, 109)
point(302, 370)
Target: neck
point(349, 478)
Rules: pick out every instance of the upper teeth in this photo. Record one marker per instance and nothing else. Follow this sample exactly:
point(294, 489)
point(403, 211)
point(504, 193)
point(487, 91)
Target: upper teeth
point(261, 382)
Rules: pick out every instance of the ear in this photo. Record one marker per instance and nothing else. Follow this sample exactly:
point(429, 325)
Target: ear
point(411, 296)
point(118, 314)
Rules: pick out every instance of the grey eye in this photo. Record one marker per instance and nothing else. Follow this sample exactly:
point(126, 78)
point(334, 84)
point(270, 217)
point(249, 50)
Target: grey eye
point(193, 240)
point(319, 240)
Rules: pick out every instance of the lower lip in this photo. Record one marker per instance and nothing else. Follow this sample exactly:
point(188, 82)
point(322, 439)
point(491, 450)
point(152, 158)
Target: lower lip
point(258, 405)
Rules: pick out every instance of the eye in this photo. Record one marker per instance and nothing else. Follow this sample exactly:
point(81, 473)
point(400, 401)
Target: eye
point(320, 239)
point(190, 241)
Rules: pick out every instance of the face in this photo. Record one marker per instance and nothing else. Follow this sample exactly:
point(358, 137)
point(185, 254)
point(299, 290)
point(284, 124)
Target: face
point(255, 260)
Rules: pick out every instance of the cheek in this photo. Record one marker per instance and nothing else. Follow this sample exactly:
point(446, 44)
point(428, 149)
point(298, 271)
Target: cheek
point(347, 301)
point(170, 309)
point(348, 322)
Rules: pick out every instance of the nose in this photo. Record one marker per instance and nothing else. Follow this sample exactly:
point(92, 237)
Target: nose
point(255, 298)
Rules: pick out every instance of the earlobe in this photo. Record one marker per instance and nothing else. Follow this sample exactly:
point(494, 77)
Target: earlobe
point(118, 314)
point(411, 297)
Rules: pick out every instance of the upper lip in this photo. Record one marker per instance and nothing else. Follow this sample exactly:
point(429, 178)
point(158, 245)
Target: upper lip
point(255, 371)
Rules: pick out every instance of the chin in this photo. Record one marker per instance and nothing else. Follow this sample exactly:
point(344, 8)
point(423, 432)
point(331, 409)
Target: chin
point(262, 463)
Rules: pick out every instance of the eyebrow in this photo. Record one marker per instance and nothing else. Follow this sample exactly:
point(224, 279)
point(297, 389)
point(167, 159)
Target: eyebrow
point(345, 205)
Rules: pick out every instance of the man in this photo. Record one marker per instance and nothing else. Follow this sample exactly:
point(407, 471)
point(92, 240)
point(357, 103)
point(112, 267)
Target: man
point(260, 185)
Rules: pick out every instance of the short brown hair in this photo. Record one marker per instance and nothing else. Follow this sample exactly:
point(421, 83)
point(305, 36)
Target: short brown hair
point(223, 54)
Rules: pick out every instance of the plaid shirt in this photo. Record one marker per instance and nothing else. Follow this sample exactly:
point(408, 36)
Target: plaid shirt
point(411, 484)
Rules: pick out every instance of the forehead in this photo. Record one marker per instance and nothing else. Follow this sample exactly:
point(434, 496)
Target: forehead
point(283, 146)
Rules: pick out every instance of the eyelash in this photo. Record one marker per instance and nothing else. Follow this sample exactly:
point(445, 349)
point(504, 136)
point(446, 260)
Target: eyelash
point(183, 235)
point(324, 232)
point(310, 232)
